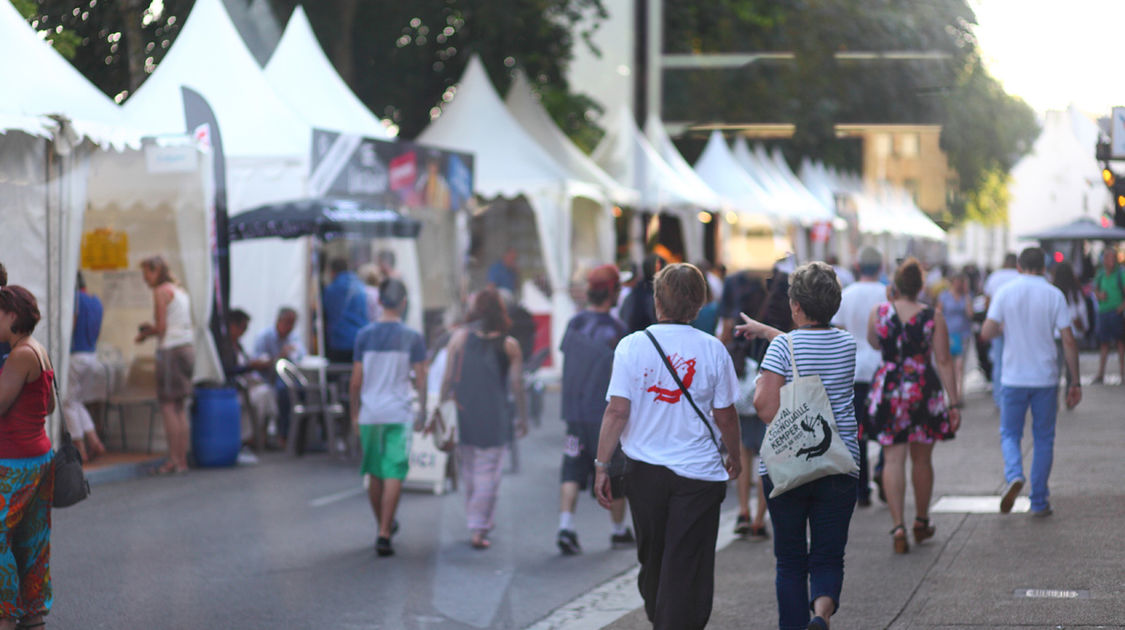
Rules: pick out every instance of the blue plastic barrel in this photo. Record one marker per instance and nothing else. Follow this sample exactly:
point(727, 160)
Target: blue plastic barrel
point(216, 426)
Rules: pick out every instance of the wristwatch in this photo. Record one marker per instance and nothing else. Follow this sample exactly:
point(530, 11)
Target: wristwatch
point(602, 465)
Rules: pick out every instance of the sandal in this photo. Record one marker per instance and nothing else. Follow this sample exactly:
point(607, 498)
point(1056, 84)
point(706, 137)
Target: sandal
point(479, 542)
point(901, 544)
point(923, 529)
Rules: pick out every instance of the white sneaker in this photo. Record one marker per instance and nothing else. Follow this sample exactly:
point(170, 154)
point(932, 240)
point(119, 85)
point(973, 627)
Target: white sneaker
point(246, 457)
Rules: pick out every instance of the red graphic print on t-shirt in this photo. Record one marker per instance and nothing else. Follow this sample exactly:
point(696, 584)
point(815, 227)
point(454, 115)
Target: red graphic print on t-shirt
point(684, 366)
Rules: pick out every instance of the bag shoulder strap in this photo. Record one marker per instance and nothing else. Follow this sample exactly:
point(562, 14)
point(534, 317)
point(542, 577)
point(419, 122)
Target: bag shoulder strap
point(54, 382)
point(686, 393)
point(792, 356)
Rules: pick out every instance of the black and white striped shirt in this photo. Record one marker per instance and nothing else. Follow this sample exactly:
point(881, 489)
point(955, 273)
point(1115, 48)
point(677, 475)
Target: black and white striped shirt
point(831, 354)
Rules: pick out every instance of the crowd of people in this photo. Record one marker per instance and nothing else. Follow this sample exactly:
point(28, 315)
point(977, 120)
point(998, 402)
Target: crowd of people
point(671, 379)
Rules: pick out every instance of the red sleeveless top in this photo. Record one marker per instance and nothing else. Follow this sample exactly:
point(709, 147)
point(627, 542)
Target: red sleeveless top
point(23, 432)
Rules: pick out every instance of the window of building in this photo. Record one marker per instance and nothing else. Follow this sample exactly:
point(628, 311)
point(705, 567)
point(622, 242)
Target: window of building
point(908, 145)
point(882, 145)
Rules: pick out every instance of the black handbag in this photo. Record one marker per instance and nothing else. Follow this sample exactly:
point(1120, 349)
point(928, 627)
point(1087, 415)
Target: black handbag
point(71, 485)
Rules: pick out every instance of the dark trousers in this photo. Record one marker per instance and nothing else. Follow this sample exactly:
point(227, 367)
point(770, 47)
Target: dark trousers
point(676, 521)
point(823, 508)
point(863, 490)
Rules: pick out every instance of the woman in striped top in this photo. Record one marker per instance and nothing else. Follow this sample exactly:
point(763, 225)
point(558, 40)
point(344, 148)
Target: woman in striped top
point(810, 577)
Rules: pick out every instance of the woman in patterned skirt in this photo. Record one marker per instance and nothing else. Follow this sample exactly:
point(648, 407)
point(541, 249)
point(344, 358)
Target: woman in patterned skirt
point(27, 479)
point(906, 403)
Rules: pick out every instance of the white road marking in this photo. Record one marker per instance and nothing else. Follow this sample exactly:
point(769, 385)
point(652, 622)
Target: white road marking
point(617, 597)
point(336, 497)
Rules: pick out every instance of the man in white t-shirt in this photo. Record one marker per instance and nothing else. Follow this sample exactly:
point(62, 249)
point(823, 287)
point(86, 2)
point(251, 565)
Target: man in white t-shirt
point(1028, 311)
point(856, 303)
point(995, 280)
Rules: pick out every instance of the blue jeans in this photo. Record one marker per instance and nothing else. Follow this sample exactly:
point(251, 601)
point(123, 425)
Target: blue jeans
point(996, 355)
point(1044, 405)
point(824, 509)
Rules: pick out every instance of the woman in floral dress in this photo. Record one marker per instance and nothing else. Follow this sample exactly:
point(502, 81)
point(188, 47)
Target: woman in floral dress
point(906, 403)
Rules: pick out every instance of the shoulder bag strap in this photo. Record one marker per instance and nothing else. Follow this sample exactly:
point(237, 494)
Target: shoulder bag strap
point(792, 356)
point(686, 393)
point(66, 439)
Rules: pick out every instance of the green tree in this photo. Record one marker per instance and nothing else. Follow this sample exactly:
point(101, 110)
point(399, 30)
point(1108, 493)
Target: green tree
point(984, 128)
point(115, 44)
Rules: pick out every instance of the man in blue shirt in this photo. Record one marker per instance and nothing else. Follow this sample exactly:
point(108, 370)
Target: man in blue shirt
point(389, 358)
point(345, 312)
point(87, 375)
point(280, 342)
point(588, 344)
point(503, 273)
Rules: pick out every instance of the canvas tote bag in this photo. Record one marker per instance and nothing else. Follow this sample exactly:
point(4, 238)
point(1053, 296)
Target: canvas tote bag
point(802, 443)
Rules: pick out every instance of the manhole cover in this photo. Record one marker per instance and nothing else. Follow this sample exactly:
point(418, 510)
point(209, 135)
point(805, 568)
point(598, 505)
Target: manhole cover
point(977, 505)
point(1050, 593)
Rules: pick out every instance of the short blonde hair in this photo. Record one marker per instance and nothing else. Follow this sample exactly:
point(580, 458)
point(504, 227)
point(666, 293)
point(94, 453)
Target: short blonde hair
point(681, 291)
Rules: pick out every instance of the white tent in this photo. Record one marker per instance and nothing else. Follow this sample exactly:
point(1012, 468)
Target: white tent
point(718, 168)
point(38, 82)
point(527, 109)
point(54, 177)
point(1059, 180)
point(510, 165)
point(159, 198)
point(816, 210)
point(266, 145)
point(654, 130)
point(306, 80)
point(757, 212)
point(796, 207)
point(628, 156)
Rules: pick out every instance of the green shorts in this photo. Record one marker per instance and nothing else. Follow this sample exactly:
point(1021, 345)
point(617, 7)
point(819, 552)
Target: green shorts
point(386, 450)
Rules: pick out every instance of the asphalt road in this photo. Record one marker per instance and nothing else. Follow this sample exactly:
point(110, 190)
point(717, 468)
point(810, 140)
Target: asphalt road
point(289, 544)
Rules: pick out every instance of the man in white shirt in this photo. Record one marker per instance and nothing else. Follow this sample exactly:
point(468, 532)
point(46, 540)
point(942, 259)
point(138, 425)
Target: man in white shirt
point(995, 280)
point(856, 303)
point(1028, 311)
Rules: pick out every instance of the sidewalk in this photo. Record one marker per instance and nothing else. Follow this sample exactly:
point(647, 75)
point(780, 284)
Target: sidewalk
point(980, 569)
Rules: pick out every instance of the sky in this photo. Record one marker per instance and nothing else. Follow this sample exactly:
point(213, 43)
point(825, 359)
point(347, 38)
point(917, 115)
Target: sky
point(1055, 52)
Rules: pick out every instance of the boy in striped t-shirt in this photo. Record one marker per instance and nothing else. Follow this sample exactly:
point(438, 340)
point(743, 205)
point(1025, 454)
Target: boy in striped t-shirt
point(382, 404)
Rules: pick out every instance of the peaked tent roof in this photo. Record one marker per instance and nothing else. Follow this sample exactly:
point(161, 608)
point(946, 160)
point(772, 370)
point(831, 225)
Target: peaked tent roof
point(43, 83)
point(210, 57)
point(507, 160)
point(654, 129)
point(718, 168)
point(527, 109)
point(303, 76)
point(762, 169)
point(815, 206)
point(626, 155)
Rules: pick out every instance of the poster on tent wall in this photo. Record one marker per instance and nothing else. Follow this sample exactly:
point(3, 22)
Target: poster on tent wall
point(396, 173)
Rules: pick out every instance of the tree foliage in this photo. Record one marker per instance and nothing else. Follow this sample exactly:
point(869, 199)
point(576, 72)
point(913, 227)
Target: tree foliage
point(401, 58)
point(984, 128)
point(116, 44)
